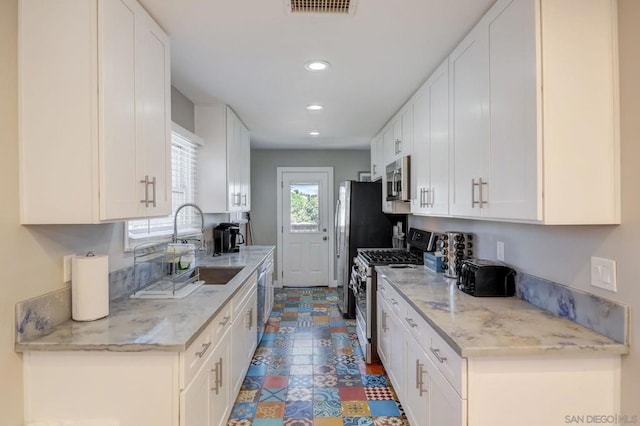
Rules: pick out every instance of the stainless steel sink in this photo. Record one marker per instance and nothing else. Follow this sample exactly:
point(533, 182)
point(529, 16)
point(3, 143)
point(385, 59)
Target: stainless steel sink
point(218, 275)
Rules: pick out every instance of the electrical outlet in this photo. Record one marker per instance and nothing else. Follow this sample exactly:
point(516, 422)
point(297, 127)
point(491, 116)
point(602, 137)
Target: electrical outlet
point(500, 251)
point(66, 267)
point(603, 273)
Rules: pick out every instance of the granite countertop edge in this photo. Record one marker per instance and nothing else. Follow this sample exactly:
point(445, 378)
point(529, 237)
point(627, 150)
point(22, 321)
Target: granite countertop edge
point(449, 308)
point(143, 325)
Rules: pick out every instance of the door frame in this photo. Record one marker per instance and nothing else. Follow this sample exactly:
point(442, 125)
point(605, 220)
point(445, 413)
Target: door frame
point(330, 217)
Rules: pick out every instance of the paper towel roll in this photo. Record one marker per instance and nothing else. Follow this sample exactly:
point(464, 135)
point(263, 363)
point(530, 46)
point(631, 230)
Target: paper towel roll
point(89, 287)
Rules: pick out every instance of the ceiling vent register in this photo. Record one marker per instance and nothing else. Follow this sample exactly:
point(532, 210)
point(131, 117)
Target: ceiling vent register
point(340, 7)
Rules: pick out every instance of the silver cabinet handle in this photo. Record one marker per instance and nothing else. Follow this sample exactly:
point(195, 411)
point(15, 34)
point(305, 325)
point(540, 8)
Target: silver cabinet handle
point(244, 203)
point(411, 322)
point(480, 184)
point(205, 347)
point(439, 357)
point(431, 199)
point(419, 379)
point(146, 201)
point(225, 320)
point(384, 322)
point(153, 182)
point(250, 314)
point(473, 193)
point(218, 377)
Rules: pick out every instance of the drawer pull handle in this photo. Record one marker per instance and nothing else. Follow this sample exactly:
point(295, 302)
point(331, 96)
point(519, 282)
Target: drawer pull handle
point(205, 347)
point(250, 315)
point(384, 322)
point(224, 321)
point(436, 352)
point(411, 322)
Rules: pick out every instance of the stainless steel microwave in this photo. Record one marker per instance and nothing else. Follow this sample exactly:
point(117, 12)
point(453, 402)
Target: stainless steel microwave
point(398, 177)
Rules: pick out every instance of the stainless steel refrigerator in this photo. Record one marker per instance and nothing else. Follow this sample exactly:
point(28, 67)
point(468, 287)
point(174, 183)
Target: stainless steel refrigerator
point(359, 223)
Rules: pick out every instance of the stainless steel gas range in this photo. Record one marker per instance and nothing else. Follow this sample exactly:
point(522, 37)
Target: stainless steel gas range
point(364, 285)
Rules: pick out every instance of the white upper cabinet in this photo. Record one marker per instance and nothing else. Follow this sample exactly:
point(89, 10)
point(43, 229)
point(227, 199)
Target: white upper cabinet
point(224, 160)
point(522, 153)
point(95, 141)
point(430, 153)
point(468, 126)
point(398, 135)
point(377, 164)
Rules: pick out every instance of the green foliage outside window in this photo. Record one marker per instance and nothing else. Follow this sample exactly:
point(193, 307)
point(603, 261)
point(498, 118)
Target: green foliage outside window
point(304, 208)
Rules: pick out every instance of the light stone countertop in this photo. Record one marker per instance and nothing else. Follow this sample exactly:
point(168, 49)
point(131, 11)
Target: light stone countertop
point(492, 326)
point(136, 325)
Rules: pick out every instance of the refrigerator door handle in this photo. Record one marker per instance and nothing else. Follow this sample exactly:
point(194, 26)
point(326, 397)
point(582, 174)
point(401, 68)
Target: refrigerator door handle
point(335, 229)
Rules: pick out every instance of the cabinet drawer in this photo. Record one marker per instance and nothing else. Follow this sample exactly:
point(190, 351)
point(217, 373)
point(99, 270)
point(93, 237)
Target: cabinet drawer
point(221, 323)
point(196, 354)
point(418, 327)
point(238, 300)
point(452, 366)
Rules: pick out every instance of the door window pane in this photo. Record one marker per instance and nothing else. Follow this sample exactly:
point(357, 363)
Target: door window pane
point(305, 212)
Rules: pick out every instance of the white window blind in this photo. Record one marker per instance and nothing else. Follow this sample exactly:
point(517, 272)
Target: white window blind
point(184, 161)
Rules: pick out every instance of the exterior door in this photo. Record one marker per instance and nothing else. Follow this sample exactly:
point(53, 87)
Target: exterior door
point(305, 227)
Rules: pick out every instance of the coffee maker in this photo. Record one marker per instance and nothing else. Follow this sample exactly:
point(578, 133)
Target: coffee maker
point(227, 238)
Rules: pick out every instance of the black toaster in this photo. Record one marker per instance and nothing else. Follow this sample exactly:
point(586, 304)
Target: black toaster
point(486, 278)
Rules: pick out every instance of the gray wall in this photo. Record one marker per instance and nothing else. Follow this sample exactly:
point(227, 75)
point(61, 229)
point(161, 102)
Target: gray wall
point(264, 163)
point(182, 111)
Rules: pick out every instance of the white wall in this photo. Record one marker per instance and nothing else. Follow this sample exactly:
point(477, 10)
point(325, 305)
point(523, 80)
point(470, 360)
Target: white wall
point(562, 253)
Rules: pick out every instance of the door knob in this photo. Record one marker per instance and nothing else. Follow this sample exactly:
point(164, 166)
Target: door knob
point(325, 238)
point(324, 229)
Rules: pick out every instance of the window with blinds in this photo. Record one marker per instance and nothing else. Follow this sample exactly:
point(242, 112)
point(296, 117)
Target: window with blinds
point(184, 161)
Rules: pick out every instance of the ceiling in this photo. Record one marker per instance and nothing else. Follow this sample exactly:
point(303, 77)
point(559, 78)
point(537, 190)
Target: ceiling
point(250, 54)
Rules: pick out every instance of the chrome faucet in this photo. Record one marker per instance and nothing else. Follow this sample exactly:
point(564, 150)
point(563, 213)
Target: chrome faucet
point(175, 224)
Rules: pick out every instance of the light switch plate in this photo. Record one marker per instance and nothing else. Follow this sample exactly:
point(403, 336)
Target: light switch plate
point(603, 273)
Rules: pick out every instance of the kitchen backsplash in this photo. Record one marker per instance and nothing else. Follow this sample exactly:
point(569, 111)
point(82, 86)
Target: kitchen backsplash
point(596, 313)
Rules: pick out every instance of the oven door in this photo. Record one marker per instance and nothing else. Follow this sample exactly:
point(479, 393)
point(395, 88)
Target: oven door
point(360, 286)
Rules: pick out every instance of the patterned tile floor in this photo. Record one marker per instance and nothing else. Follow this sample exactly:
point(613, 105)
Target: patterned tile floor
point(309, 370)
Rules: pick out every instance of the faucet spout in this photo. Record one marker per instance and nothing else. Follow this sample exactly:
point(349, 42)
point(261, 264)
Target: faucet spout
point(175, 222)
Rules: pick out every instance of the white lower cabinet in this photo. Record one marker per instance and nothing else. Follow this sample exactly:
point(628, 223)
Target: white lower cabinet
point(207, 400)
point(196, 387)
point(438, 387)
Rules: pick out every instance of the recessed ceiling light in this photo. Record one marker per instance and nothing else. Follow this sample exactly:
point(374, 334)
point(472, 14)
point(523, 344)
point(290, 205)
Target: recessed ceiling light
point(317, 65)
point(315, 107)
point(314, 133)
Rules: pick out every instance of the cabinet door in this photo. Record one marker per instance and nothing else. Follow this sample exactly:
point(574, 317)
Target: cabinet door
point(417, 401)
point(389, 147)
point(238, 344)
point(233, 138)
point(195, 400)
point(512, 171)
point(438, 155)
point(120, 189)
point(382, 312)
point(377, 148)
point(220, 392)
point(447, 408)
point(153, 108)
point(396, 366)
point(245, 167)
point(420, 162)
point(406, 131)
point(468, 80)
